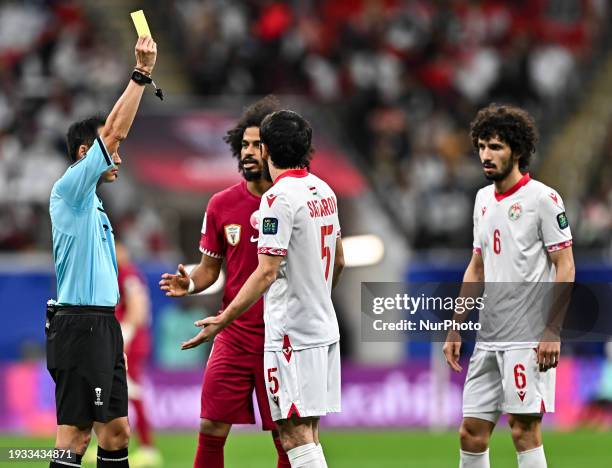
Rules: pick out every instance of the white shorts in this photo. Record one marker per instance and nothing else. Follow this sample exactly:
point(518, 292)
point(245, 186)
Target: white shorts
point(507, 382)
point(304, 383)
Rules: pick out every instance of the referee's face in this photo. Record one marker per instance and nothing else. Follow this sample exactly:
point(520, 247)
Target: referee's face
point(112, 174)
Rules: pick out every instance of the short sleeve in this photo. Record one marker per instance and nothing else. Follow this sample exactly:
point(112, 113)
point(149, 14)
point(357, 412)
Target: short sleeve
point(554, 225)
point(211, 240)
point(476, 245)
point(275, 225)
point(78, 184)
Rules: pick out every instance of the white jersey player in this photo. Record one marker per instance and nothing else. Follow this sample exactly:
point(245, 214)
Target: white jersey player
point(300, 260)
point(522, 241)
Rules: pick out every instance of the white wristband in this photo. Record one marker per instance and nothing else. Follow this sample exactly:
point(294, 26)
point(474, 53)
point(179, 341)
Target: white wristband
point(191, 287)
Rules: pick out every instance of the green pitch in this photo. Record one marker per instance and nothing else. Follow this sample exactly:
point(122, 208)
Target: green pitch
point(360, 449)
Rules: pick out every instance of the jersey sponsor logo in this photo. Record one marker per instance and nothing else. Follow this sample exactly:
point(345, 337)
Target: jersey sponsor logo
point(254, 220)
point(269, 226)
point(98, 401)
point(553, 197)
point(562, 220)
point(323, 207)
point(515, 211)
point(232, 233)
point(270, 199)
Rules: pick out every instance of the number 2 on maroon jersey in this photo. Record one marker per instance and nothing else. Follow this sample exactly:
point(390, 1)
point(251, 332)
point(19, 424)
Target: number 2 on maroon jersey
point(496, 242)
point(273, 380)
point(325, 251)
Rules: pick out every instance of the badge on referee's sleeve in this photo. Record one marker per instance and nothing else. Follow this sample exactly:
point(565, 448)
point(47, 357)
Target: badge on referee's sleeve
point(269, 226)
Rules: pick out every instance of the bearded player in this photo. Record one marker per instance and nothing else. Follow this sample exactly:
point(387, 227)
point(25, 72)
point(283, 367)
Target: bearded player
point(521, 236)
point(230, 231)
point(300, 261)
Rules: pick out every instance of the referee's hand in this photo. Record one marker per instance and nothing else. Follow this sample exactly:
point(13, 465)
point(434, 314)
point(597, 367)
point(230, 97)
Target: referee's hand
point(175, 285)
point(146, 54)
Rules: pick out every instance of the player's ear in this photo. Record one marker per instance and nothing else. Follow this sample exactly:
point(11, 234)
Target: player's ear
point(264, 151)
point(82, 151)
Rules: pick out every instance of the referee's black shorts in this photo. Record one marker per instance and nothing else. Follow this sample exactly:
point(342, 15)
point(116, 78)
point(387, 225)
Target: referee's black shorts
point(85, 359)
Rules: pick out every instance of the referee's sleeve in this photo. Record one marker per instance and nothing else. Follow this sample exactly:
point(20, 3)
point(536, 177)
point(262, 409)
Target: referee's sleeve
point(79, 182)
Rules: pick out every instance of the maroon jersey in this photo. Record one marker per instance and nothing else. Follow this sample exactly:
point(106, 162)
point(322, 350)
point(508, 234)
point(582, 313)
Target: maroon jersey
point(230, 230)
point(141, 341)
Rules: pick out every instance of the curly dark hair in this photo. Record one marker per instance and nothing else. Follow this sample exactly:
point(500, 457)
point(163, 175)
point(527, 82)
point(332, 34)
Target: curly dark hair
point(512, 125)
point(288, 137)
point(251, 117)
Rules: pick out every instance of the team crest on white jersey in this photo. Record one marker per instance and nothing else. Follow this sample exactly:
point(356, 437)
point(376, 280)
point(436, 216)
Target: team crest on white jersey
point(232, 233)
point(515, 211)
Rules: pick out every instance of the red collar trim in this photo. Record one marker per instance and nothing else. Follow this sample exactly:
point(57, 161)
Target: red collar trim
point(292, 173)
point(523, 181)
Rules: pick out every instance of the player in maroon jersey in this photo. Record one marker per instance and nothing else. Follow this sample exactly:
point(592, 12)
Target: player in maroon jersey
point(133, 313)
point(230, 231)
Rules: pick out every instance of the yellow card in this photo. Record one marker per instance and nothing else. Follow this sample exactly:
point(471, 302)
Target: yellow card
point(142, 28)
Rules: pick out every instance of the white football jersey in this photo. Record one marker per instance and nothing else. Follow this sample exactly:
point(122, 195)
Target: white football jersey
point(299, 220)
point(514, 232)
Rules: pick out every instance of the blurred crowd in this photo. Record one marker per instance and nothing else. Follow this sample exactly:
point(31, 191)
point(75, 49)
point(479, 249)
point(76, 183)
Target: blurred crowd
point(404, 77)
point(56, 66)
point(596, 226)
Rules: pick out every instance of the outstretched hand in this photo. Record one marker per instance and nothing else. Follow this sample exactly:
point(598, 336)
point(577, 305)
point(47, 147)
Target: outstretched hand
point(175, 285)
point(211, 326)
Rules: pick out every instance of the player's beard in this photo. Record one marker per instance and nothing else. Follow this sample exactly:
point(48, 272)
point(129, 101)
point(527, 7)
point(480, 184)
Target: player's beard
point(249, 175)
point(504, 172)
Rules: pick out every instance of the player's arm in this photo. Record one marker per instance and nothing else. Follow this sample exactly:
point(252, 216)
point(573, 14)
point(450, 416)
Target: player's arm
point(557, 238)
point(203, 276)
point(122, 115)
point(254, 287)
point(473, 280)
point(137, 306)
point(549, 348)
point(338, 262)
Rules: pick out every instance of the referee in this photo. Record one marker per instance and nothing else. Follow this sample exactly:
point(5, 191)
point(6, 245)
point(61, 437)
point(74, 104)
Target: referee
point(84, 342)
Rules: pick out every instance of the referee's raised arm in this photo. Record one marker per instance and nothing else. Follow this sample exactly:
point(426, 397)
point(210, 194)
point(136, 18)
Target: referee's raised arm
point(120, 119)
point(84, 341)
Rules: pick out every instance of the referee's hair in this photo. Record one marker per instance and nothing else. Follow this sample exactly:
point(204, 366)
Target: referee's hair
point(288, 137)
point(83, 132)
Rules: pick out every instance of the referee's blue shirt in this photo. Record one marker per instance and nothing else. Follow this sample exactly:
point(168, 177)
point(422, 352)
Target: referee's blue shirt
point(83, 242)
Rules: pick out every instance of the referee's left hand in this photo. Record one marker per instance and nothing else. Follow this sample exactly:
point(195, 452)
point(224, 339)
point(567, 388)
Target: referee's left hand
point(211, 327)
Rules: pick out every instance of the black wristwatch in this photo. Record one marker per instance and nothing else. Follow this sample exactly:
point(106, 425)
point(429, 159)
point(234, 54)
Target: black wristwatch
point(140, 78)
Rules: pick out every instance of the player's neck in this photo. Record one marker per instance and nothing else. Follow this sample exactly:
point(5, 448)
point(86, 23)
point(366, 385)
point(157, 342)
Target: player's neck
point(502, 186)
point(258, 187)
point(275, 172)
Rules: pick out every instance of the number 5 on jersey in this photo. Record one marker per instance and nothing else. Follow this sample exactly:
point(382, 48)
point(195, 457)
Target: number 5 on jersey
point(325, 250)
